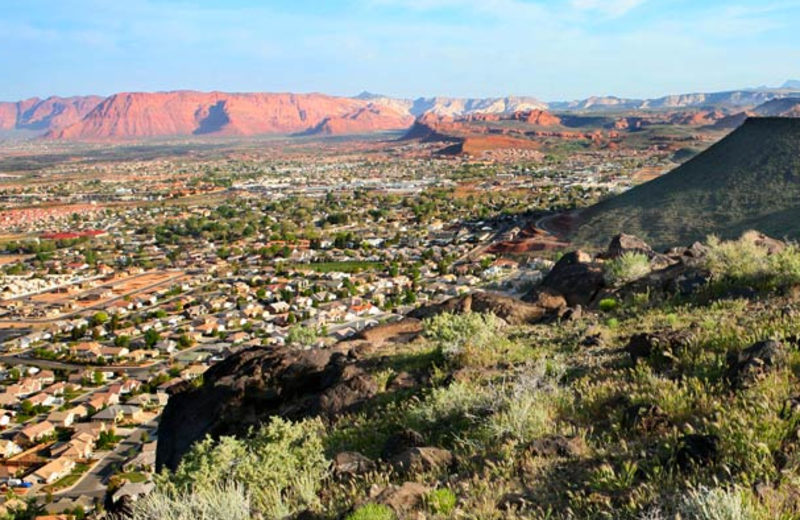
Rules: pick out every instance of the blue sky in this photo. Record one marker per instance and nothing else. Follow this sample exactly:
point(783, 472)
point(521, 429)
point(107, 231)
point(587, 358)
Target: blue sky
point(551, 49)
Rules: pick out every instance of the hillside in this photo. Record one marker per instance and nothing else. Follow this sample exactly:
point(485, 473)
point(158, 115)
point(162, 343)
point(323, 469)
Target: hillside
point(749, 180)
point(600, 399)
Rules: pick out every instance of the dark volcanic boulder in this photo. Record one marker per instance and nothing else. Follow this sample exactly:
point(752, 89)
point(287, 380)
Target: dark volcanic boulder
point(697, 450)
point(257, 383)
point(661, 346)
point(511, 310)
point(752, 364)
point(575, 277)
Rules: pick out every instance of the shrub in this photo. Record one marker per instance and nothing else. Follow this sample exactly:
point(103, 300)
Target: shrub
point(217, 502)
point(441, 501)
point(372, 512)
point(608, 304)
point(282, 466)
point(465, 337)
point(738, 259)
point(630, 266)
point(714, 504)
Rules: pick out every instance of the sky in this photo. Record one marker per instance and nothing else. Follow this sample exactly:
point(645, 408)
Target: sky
point(549, 49)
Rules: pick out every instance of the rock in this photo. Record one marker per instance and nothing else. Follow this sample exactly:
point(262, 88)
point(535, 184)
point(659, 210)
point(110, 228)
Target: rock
point(571, 313)
point(575, 277)
point(752, 364)
point(404, 498)
point(661, 346)
point(557, 446)
point(623, 243)
point(512, 310)
point(772, 245)
point(647, 418)
point(251, 386)
point(401, 441)
point(417, 460)
point(592, 340)
point(697, 450)
point(407, 328)
point(351, 463)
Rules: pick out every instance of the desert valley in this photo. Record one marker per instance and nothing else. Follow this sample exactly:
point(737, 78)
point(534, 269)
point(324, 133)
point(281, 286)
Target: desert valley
point(276, 303)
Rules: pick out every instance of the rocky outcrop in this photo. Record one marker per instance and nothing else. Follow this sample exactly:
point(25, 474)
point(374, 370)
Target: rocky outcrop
point(253, 385)
point(511, 310)
point(577, 277)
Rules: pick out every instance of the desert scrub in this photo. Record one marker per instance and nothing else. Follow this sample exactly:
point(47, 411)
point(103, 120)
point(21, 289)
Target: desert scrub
point(372, 512)
point(472, 339)
point(628, 267)
point(281, 466)
point(714, 504)
point(214, 502)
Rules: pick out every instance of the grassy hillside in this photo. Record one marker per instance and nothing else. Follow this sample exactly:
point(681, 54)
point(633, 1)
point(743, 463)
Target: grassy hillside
point(749, 180)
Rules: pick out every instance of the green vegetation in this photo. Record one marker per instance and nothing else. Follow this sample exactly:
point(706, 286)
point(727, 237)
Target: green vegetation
point(279, 469)
point(627, 268)
point(372, 512)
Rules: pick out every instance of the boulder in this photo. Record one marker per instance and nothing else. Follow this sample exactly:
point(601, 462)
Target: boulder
point(417, 460)
point(401, 441)
point(557, 446)
point(351, 463)
point(404, 498)
point(623, 243)
point(249, 387)
point(697, 450)
point(661, 346)
point(575, 277)
point(752, 364)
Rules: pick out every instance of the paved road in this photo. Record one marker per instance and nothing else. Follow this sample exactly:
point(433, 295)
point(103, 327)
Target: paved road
point(27, 322)
point(93, 483)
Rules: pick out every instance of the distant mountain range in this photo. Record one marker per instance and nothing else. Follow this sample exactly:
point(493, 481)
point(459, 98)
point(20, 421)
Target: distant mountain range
point(187, 113)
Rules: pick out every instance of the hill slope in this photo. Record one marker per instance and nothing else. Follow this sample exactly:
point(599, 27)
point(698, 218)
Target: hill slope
point(749, 180)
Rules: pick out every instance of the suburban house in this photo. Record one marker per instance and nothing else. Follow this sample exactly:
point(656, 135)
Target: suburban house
point(51, 471)
point(35, 432)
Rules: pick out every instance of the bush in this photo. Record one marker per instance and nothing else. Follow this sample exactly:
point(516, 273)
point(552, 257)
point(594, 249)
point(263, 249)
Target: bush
point(282, 466)
point(714, 504)
point(217, 502)
point(738, 259)
point(441, 501)
point(455, 334)
point(372, 512)
point(630, 266)
point(608, 304)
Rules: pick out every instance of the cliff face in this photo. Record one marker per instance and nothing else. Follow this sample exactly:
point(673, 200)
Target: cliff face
point(46, 114)
point(143, 115)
